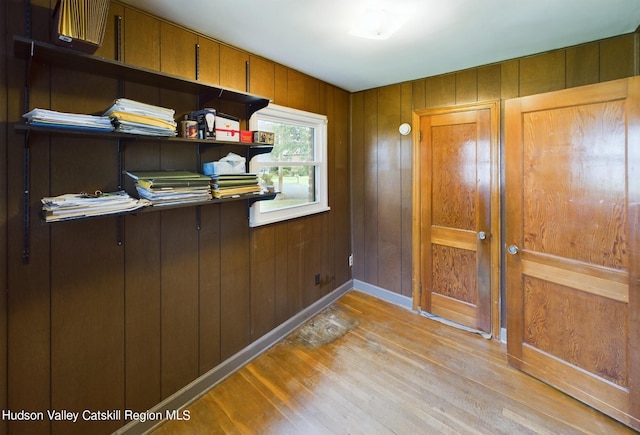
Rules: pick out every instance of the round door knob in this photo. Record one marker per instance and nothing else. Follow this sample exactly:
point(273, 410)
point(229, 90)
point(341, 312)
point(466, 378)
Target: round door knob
point(482, 235)
point(513, 249)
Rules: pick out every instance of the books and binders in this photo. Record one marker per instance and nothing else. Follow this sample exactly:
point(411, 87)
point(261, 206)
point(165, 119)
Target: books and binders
point(171, 187)
point(231, 185)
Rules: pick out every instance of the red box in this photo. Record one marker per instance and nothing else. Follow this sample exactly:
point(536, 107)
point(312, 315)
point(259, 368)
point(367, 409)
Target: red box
point(246, 136)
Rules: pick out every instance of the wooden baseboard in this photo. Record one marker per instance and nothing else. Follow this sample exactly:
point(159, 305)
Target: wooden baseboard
point(219, 373)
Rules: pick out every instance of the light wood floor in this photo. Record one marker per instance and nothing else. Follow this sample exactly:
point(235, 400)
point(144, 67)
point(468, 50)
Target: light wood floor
point(364, 366)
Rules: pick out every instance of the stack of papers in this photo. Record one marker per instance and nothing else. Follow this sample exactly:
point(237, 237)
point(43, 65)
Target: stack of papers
point(134, 117)
point(234, 185)
point(172, 187)
point(51, 118)
point(79, 205)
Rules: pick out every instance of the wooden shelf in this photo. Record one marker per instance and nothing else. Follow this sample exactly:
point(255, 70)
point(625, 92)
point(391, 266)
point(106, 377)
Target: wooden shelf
point(251, 198)
point(64, 131)
point(207, 94)
point(36, 51)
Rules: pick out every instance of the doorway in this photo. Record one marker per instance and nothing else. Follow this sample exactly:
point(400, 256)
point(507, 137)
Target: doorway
point(456, 214)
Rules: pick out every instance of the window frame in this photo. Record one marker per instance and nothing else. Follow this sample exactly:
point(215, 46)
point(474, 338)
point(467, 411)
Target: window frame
point(284, 115)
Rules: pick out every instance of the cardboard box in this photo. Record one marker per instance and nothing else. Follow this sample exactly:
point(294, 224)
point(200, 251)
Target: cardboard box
point(265, 137)
point(246, 136)
point(206, 119)
point(227, 128)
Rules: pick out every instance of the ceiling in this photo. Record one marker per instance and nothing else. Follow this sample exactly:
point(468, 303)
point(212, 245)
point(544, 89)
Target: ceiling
point(438, 36)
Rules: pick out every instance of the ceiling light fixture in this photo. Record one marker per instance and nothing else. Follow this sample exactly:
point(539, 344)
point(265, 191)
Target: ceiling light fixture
point(377, 24)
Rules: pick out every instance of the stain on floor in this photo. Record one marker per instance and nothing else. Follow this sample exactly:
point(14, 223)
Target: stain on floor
point(327, 326)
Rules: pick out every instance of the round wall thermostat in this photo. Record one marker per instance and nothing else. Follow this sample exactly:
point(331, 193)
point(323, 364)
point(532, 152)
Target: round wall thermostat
point(404, 129)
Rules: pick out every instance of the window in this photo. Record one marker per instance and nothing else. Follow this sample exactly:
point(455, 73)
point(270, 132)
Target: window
point(296, 168)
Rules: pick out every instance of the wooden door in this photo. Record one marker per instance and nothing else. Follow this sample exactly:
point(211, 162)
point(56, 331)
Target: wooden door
point(455, 180)
point(573, 236)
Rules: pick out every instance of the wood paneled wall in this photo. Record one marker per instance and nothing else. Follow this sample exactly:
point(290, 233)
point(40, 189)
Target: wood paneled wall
point(96, 324)
point(381, 157)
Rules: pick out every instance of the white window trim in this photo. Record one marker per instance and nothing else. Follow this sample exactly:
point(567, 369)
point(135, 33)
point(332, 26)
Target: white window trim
point(318, 122)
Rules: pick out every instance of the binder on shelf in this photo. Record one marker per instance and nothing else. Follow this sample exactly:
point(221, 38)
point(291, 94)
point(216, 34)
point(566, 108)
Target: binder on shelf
point(80, 24)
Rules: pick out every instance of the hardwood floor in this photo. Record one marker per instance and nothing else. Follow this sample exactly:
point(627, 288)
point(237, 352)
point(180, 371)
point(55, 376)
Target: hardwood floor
point(364, 366)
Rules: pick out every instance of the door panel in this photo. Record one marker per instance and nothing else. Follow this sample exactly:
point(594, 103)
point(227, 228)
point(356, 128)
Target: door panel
point(570, 201)
point(454, 176)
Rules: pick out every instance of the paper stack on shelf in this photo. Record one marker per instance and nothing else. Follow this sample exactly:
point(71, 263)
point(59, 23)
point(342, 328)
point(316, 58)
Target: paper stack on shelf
point(234, 185)
point(79, 205)
point(74, 121)
point(172, 187)
point(134, 117)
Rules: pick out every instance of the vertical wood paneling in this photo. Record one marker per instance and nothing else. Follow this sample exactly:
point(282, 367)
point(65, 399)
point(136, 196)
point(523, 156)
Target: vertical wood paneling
point(3, 213)
point(87, 321)
point(583, 65)
point(282, 304)
point(177, 51)
point(281, 90)
point(509, 79)
point(109, 45)
point(233, 70)
point(87, 275)
point(489, 83)
point(370, 178)
point(142, 311)
point(312, 259)
point(261, 77)
point(389, 189)
point(617, 57)
point(209, 71)
point(406, 194)
point(467, 86)
point(295, 89)
point(441, 90)
point(295, 265)
point(210, 273)
point(542, 73)
point(29, 291)
point(263, 281)
point(312, 96)
point(235, 294)
point(358, 183)
point(419, 94)
point(141, 39)
point(179, 299)
point(342, 189)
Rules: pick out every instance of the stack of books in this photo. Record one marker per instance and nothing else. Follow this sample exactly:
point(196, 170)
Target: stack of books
point(134, 117)
point(80, 205)
point(234, 185)
point(163, 188)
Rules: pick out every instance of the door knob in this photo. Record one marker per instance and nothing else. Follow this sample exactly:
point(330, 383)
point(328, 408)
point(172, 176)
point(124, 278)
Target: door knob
point(513, 249)
point(482, 235)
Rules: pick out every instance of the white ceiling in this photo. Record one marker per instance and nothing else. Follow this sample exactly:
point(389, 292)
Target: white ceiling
point(439, 36)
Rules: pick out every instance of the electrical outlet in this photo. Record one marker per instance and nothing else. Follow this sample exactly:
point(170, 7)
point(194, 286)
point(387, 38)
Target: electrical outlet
point(350, 260)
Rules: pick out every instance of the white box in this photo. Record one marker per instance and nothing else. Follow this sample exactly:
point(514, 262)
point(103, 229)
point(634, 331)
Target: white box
point(227, 128)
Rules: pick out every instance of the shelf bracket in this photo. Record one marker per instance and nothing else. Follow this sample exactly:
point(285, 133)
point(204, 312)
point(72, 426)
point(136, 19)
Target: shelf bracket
point(198, 62)
point(26, 204)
